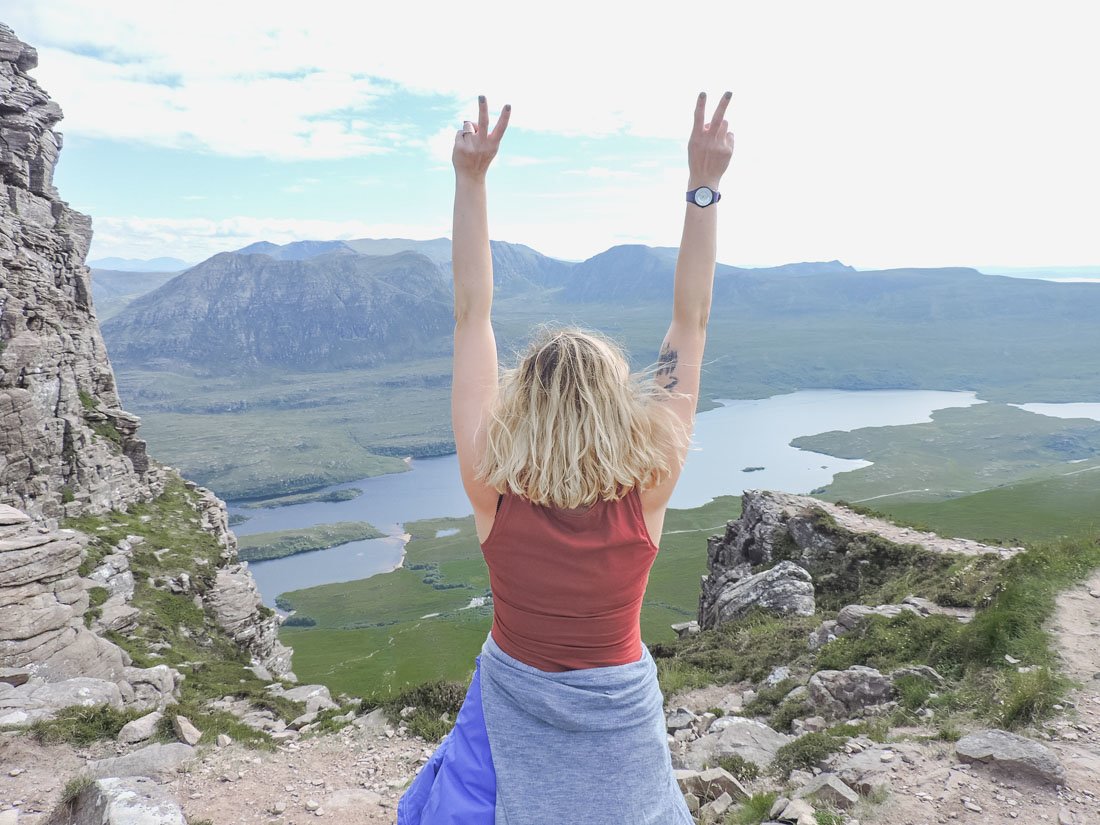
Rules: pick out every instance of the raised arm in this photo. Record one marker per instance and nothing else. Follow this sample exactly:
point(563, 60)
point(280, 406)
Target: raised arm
point(474, 382)
point(710, 149)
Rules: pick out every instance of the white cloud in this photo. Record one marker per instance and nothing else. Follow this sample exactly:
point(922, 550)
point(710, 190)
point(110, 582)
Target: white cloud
point(195, 239)
point(935, 133)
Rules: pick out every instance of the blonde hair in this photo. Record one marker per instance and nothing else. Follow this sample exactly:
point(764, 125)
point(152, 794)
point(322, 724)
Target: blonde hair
point(571, 424)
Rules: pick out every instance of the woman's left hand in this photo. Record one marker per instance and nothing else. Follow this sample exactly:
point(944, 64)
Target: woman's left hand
point(474, 150)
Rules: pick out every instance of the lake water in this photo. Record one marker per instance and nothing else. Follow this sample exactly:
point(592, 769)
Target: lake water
point(735, 436)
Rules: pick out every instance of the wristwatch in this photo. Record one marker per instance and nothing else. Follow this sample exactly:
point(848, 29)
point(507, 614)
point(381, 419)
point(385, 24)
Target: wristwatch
point(703, 196)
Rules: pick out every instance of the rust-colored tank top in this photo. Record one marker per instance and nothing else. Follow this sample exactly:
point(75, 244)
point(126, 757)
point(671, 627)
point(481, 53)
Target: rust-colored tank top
point(568, 586)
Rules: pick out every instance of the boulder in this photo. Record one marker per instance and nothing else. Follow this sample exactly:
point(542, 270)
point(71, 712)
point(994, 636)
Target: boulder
point(753, 741)
point(1012, 752)
point(185, 730)
point(709, 784)
point(680, 719)
point(798, 811)
point(158, 761)
point(828, 788)
point(845, 693)
point(138, 730)
point(316, 697)
point(133, 800)
point(785, 588)
point(713, 812)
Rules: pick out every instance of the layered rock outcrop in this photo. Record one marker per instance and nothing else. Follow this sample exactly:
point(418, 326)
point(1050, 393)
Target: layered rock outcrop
point(66, 445)
point(48, 657)
point(235, 601)
point(781, 536)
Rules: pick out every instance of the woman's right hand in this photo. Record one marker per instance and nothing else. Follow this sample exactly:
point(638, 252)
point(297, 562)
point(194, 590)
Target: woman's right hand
point(475, 146)
point(710, 147)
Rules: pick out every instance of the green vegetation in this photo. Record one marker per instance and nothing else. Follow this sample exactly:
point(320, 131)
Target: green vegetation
point(961, 451)
point(746, 649)
point(343, 494)
point(83, 724)
point(737, 766)
point(805, 752)
point(873, 570)
point(754, 810)
point(437, 704)
point(280, 543)
point(73, 788)
point(213, 665)
point(972, 656)
point(1026, 511)
point(268, 433)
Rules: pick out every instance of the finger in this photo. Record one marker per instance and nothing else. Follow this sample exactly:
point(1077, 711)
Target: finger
point(720, 112)
point(502, 122)
point(482, 115)
point(700, 109)
point(723, 128)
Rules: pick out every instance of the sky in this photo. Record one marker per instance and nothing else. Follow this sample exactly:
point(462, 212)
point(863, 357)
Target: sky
point(878, 133)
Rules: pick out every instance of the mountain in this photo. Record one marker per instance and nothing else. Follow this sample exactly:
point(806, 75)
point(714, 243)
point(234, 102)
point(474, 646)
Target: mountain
point(630, 272)
point(636, 274)
point(438, 249)
point(140, 265)
point(515, 266)
point(235, 311)
point(113, 289)
point(296, 251)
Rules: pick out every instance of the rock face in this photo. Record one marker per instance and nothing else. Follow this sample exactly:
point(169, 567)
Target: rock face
point(134, 800)
point(66, 445)
point(803, 532)
point(234, 600)
point(48, 658)
point(785, 588)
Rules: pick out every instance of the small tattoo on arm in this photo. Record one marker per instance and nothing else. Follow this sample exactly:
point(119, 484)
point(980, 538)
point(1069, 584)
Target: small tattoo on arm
point(667, 362)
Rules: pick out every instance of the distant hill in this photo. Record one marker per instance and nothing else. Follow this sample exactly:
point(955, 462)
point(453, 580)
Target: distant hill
point(633, 271)
point(113, 289)
point(140, 265)
point(515, 266)
point(296, 251)
point(235, 311)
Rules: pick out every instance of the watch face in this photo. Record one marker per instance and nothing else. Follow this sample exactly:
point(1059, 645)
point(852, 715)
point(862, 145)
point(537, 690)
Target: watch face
point(703, 196)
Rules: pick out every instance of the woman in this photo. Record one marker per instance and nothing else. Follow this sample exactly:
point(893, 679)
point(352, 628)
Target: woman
point(569, 462)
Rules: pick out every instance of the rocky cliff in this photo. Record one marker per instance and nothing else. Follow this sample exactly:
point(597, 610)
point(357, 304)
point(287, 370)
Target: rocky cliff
point(69, 451)
point(66, 445)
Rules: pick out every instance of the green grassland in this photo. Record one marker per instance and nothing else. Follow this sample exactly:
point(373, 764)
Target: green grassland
point(370, 637)
point(277, 544)
point(1030, 510)
point(961, 451)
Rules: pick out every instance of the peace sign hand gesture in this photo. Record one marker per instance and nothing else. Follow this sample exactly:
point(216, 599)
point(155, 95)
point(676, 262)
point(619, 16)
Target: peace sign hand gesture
point(475, 146)
point(711, 144)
